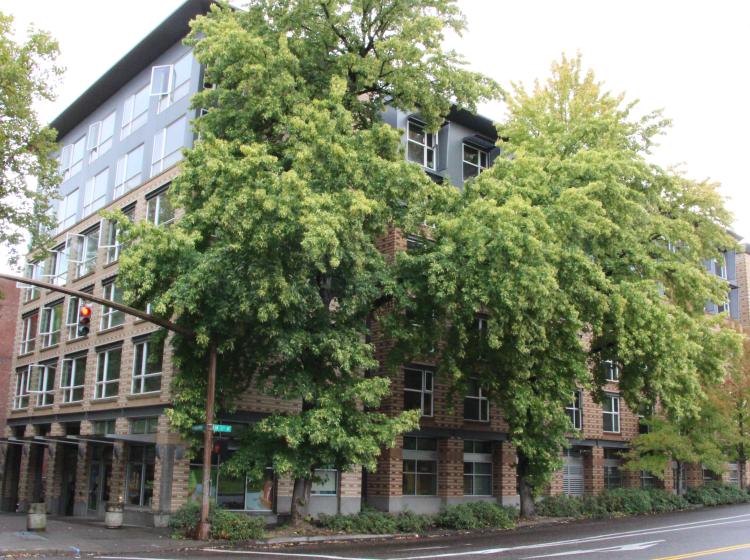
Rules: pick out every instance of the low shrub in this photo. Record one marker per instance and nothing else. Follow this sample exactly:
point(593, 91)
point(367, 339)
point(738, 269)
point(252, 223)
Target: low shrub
point(372, 522)
point(716, 494)
point(621, 501)
point(630, 501)
point(225, 525)
point(477, 515)
point(409, 522)
point(560, 506)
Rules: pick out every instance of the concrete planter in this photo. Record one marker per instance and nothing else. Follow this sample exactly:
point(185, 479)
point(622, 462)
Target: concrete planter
point(113, 516)
point(36, 518)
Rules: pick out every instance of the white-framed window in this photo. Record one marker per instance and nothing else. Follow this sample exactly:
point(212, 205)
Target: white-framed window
point(719, 267)
point(28, 333)
point(21, 392)
point(111, 317)
point(134, 112)
point(733, 474)
point(145, 425)
point(86, 251)
point(477, 468)
point(95, 192)
point(326, 483)
point(168, 144)
point(45, 384)
point(418, 389)
point(71, 158)
point(612, 473)
point(108, 373)
point(723, 306)
point(159, 210)
point(109, 240)
point(33, 271)
point(611, 370)
point(648, 480)
point(611, 413)
point(49, 329)
point(474, 161)
point(100, 136)
point(67, 210)
point(476, 404)
point(421, 144)
point(171, 82)
point(73, 379)
point(574, 411)
point(419, 466)
point(58, 265)
point(128, 171)
point(147, 367)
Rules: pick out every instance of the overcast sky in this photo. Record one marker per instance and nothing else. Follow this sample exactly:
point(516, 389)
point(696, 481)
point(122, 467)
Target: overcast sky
point(688, 58)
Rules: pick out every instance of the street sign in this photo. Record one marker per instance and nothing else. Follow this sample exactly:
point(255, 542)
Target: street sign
point(218, 428)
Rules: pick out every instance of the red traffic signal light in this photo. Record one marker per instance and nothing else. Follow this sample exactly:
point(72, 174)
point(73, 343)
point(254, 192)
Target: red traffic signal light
point(84, 319)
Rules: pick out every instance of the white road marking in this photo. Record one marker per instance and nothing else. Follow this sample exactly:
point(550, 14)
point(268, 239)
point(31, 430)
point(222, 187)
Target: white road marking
point(622, 548)
point(596, 538)
point(420, 548)
point(133, 558)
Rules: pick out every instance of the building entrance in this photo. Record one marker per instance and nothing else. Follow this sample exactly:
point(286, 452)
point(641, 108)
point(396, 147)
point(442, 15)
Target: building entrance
point(100, 476)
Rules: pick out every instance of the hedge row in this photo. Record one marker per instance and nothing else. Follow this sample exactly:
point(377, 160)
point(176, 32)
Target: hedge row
point(225, 525)
point(632, 501)
point(478, 515)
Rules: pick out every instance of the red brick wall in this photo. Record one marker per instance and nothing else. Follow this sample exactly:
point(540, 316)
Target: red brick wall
point(8, 318)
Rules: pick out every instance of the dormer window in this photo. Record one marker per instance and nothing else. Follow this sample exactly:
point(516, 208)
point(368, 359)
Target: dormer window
point(420, 144)
point(474, 161)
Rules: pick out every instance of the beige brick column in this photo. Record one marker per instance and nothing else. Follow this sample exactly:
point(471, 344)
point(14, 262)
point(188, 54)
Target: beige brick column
point(26, 476)
point(450, 469)
point(386, 483)
point(508, 476)
point(693, 475)
point(593, 471)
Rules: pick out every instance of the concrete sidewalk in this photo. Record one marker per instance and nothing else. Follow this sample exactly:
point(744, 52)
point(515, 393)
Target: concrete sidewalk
point(72, 537)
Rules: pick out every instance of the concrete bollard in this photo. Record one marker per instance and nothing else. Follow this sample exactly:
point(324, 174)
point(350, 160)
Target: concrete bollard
point(36, 518)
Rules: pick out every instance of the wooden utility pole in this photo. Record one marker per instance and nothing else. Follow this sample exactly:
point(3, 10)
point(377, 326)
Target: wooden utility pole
point(204, 528)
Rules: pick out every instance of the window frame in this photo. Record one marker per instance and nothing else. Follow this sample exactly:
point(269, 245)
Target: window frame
point(131, 121)
point(611, 370)
point(21, 393)
point(474, 457)
point(483, 400)
point(576, 409)
point(102, 145)
point(45, 384)
point(142, 377)
point(91, 204)
point(425, 374)
point(84, 261)
point(48, 336)
point(68, 166)
point(125, 183)
point(110, 317)
point(103, 381)
point(325, 493)
point(67, 210)
point(68, 390)
point(479, 167)
point(615, 414)
point(429, 146)
point(29, 329)
point(164, 160)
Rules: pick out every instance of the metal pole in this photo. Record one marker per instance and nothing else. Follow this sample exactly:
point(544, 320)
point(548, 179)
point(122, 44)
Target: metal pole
point(204, 528)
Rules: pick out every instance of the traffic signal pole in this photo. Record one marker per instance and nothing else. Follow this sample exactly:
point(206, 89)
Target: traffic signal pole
point(204, 527)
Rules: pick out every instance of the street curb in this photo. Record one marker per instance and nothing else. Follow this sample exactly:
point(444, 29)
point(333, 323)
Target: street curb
point(325, 538)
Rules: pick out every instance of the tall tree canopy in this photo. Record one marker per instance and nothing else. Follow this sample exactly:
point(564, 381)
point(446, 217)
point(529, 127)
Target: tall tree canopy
point(285, 196)
point(577, 250)
point(27, 75)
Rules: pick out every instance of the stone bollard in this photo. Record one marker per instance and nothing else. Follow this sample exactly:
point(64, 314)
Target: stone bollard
point(113, 517)
point(36, 518)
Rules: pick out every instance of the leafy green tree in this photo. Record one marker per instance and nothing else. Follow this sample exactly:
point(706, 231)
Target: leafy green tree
point(575, 249)
point(27, 75)
point(285, 196)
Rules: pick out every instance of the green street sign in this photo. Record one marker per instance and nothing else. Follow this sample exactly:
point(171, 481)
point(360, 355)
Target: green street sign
point(218, 428)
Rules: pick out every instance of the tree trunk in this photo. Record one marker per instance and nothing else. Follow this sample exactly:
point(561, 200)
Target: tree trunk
point(300, 499)
point(680, 479)
point(525, 490)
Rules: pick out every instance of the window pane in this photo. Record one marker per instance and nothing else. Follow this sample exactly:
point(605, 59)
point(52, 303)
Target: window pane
point(415, 153)
point(412, 400)
point(160, 79)
point(483, 486)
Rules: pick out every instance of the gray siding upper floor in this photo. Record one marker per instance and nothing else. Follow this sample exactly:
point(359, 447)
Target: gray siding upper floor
point(727, 271)
point(156, 120)
point(450, 141)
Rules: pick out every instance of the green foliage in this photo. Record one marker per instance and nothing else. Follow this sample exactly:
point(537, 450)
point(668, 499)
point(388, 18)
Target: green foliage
point(27, 76)
point(365, 522)
point(225, 525)
point(477, 515)
point(572, 234)
point(621, 501)
point(717, 494)
point(410, 522)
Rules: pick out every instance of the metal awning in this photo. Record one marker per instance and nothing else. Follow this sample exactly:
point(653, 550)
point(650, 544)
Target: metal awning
point(133, 438)
point(55, 439)
point(23, 441)
point(86, 439)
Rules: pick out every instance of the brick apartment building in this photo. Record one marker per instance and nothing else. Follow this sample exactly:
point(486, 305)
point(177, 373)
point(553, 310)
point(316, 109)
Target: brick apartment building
point(8, 318)
point(87, 422)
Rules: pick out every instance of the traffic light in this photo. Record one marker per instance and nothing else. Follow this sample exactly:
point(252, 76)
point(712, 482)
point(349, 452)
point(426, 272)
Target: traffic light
point(221, 449)
point(84, 319)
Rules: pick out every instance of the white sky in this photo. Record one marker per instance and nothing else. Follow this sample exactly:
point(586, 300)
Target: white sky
point(688, 58)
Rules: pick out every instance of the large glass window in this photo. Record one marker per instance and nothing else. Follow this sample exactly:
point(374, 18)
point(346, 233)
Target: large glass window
point(49, 330)
point(95, 192)
point(21, 392)
point(419, 466)
point(100, 136)
point(168, 144)
point(128, 171)
point(140, 475)
point(71, 158)
point(418, 390)
point(28, 333)
point(420, 145)
point(476, 405)
point(110, 238)
point(72, 317)
point(86, 248)
point(73, 379)
point(111, 317)
point(108, 373)
point(159, 211)
point(474, 161)
point(66, 211)
point(326, 483)
point(147, 366)
point(33, 271)
point(135, 112)
point(233, 493)
point(611, 413)
point(611, 370)
point(612, 474)
point(148, 425)
point(477, 468)
point(574, 411)
point(171, 82)
point(45, 384)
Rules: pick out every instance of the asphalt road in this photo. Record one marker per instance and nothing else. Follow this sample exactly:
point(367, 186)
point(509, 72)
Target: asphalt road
point(715, 533)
